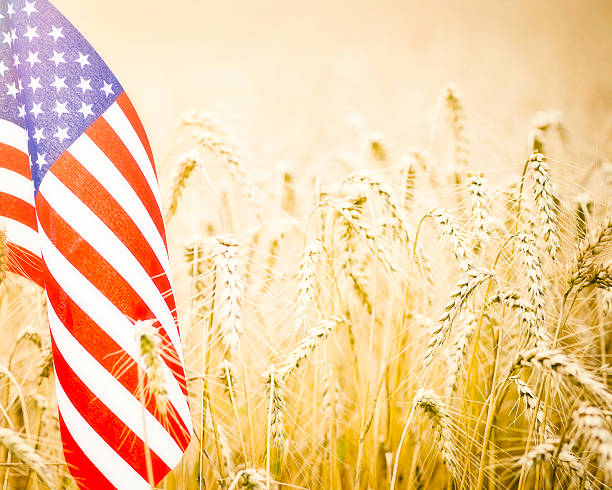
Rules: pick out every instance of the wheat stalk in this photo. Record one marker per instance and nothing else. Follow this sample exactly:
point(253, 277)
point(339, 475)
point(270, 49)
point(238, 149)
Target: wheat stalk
point(275, 393)
point(150, 346)
point(24, 452)
point(229, 294)
point(593, 427)
point(220, 145)
point(307, 278)
point(544, 197)
point(183, 170)
point(308, 344)
point(533, 317)
point(458, 297)
point(449, 230)
point(436, 410)
point(479, 195)
point(456, 117)
point(560, 363)
point(458, 351)
point(348, 209)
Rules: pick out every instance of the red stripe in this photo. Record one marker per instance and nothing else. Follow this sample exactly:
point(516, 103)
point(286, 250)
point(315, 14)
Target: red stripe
point(18, 209)
point(108, 353)
point(15, 160)
point(25, 263)
point(102, 420)
point(84, 472)
point(128, 109)
point(84, 186)
point(102, 276)
point(111, 145)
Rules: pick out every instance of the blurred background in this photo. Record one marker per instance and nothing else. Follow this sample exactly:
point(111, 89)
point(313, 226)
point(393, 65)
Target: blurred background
point(285, 75)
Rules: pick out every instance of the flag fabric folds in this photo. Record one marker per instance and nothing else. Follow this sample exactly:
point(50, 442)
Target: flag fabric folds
point(80, 204)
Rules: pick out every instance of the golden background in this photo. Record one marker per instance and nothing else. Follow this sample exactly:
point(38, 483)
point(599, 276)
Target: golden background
point(286, 74)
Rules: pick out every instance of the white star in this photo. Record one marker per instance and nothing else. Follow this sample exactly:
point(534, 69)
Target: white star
point(11, 89)
point(86, 110)
point(84, 85)
point(83, 60)
point(31, 33)
point(36, 109)
point(33, 59)
point(14, 34)
point(20, 85)
point(56, 32)
point(16, 61)
point(57, 58)
point(3, 68)
point(29, 8)
point(38, 134)
point(35, 84)
point(59, 83)
point(62, 134)
point(60, 109)
point(22, 111)
point(6, 38)
point(10, 10)
point(41, 162)
point(107, 89)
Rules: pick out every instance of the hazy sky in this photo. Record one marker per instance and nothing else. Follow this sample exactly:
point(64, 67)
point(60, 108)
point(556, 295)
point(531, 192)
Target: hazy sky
point(284, 72)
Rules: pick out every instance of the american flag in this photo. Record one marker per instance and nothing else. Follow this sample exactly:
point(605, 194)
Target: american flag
point(80, 204)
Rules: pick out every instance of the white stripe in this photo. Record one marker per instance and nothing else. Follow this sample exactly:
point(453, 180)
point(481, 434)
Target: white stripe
point(105, 314)
point(113, 394)
point(97, 164)
point(103, 457)
point(93, 230)
point(124, 129)
point(20, 234)
point(16, 185)
point(13, 135)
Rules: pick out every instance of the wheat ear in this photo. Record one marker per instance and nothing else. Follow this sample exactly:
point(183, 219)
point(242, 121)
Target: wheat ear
point(544, 197)
point(449, 230)
point(3, 256)
point(594, 429)
point(150, 346)
point(534, 317)
point(24, 452)
point(437, 411)
point(457, 118)
point(184, 168)
point(560, 363)
point(230, 287)
point(464, 288)
point(588, 253)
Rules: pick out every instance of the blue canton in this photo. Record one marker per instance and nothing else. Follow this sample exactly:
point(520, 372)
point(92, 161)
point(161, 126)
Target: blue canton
point(52, 82)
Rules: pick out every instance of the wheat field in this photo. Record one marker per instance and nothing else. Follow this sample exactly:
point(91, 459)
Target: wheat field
point(387, 318)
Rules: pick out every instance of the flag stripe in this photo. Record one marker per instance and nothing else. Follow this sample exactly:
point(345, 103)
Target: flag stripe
point(128, 109)
point(116, 189)
point(21, 235)
point(109, 355)
point(117, 153)
point(105, 387)
point(17, 185)
point(16, 161)
point(104, 457)
point(17, 209)
point(109, 403)
point(80, 466)
point(13, 135)
point(106, 423)
point(91, 229)
point(103, 313)
point(95, 197)
point(124, 129)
